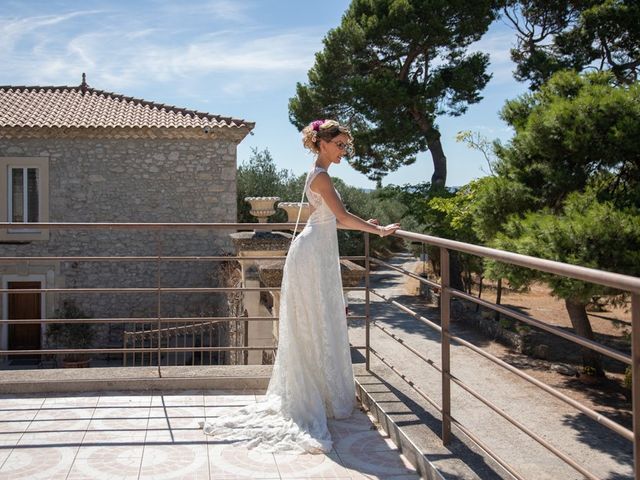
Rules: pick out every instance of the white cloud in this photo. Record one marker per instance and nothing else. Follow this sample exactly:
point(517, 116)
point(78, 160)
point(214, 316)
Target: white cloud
point(119, 50)
point(13, 30)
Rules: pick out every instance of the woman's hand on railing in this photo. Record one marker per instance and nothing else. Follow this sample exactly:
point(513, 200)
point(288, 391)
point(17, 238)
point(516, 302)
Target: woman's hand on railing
point(390, 229)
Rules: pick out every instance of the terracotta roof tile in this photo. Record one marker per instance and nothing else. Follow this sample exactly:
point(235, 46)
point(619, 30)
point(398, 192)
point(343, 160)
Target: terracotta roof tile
point(79, 107)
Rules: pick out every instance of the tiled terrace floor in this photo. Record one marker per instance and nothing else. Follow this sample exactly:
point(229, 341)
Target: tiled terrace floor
point(156, 436)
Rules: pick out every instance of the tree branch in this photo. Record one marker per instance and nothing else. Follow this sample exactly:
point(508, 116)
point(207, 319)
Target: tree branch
point(404, 70)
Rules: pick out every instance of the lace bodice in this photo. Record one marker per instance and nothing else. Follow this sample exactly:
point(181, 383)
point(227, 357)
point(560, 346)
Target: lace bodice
point(320, 212)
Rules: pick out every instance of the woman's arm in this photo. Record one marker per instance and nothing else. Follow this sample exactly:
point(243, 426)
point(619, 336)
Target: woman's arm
point(322, 184)
point(372, 221)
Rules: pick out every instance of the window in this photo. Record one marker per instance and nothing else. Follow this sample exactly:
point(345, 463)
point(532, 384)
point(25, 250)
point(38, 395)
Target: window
point(24, 189)
point(23, 194)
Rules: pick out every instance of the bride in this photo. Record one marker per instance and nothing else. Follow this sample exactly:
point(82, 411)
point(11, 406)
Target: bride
point(312, 376)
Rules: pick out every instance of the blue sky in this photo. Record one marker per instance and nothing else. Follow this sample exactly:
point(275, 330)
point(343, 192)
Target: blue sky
point(239, 58)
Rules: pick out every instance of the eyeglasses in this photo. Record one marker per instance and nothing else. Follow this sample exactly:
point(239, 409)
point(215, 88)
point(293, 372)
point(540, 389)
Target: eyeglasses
point(341, 145)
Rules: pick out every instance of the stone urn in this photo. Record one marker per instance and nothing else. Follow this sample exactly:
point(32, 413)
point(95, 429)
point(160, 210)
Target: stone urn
point(262, 207)
point(292, 209)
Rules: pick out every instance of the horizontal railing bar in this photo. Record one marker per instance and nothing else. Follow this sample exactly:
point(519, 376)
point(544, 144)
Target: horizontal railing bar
point(64, 351)
point(411, 349)
point(561, 455)
point(137, 290)
point(619, 429)
point(150, 258)
point(147, 226)
point(406, 272)
point(483, 446)
point(572, 337)
point(610, 279)
point(407, 310)
point(154, 290)
point(194, 320)
point(407, 380)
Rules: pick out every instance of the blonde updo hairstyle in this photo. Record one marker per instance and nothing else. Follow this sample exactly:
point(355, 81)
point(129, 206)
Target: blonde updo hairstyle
point(323, 130)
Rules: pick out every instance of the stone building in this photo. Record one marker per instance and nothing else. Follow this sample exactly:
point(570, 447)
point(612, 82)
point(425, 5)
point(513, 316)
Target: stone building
point(77, 154)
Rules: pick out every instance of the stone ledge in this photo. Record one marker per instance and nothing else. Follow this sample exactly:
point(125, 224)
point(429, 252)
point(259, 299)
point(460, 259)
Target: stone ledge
point(271, 273)
point(223, 377)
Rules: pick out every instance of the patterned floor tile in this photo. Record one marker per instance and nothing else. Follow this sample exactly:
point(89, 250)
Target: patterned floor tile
point(8, 441)
point(183, 399)
point(356, 422)
point(13, 427)
point(38, 463)
point(114, 437)
point(62, 438)
point(213, 400)
point(310, 466)
point(64, 413)
point(164, 430)
point(376, 464)
point(118, 436)
point(73, 421)
point(4, 454)
point(361, 441)
point(71, 400)
point(180, 417)
point(12, 402)
point(119, 451)
point(175, 461)
point(231, 462)
point(214, 412)
point(18, 414)
point(104, 412)
point(118, 424)
point(107, 462)
point(124, 399)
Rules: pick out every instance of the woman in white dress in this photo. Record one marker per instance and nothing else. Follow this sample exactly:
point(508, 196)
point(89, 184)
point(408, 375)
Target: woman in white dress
point(312, 376)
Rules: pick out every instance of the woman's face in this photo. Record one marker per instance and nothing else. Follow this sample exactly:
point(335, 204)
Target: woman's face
point(336, 148)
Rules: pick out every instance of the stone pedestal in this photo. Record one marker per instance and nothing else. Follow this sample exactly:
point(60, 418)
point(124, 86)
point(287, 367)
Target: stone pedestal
point(293, 209)
point(262, 207)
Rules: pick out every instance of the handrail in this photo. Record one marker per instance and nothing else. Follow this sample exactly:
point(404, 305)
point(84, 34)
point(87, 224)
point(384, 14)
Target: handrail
point(609, 279)
point(147, 226)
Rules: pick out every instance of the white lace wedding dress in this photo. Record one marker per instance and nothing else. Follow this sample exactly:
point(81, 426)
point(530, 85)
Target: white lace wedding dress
point(312, 376)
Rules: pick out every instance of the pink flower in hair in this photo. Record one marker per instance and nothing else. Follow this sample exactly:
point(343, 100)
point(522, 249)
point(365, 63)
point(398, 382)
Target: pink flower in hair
point(316, 125)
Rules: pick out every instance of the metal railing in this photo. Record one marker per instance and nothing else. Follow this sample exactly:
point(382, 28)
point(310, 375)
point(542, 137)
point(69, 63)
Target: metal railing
point(162, 327)
point(151, 344)
point(613, 280)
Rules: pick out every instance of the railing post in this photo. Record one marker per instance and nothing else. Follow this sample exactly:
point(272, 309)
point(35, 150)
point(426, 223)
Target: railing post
point(635, 379)
point(159, 298)
point(445, 315)
point(367, 268)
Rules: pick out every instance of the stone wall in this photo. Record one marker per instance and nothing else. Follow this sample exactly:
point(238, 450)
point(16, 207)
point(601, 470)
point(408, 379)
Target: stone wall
point(131, 180)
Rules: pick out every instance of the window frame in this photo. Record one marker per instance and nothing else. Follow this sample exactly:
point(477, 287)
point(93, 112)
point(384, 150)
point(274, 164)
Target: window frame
point(41, 164)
